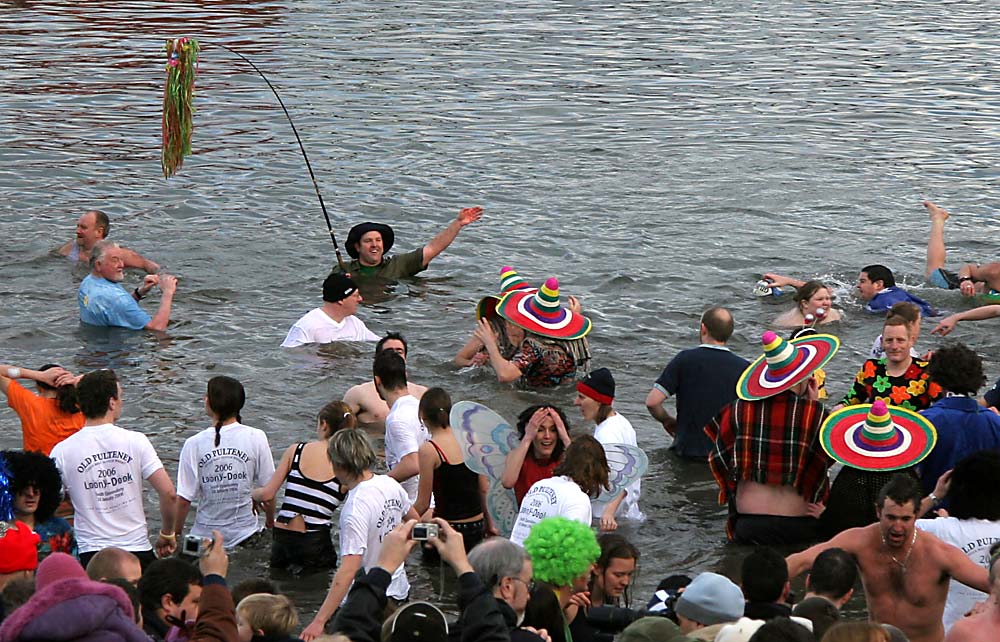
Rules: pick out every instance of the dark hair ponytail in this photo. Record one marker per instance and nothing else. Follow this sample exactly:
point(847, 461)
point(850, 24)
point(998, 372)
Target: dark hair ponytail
point(225, 399)
point(66, 397)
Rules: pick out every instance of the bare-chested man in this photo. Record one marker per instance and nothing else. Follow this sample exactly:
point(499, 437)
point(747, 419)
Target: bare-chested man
point(972, 279)
point(985, 623)
point(368, 407)
point(905, 572)
point(94, 226)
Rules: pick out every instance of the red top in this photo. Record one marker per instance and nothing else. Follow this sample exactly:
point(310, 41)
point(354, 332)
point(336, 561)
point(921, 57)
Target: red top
point(531, 471)
point(43, 425)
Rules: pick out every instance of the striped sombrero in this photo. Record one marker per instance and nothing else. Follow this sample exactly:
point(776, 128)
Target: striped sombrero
point(877, 437)
point(510, 281)
point(540, 312)
point(784, 364)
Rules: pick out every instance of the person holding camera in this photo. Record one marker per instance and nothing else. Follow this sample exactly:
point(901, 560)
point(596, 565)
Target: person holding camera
point(480, 619)
point(374, 506)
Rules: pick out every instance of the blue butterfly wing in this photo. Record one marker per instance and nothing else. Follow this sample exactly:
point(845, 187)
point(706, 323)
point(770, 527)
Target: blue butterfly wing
point(485, 437)
point(502, 504)
point(626, 464)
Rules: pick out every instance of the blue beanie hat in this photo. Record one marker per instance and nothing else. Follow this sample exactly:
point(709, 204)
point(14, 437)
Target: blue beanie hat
point(711, 599)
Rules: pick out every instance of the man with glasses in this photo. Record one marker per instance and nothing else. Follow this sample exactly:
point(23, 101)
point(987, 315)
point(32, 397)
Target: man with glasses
point(506, 569)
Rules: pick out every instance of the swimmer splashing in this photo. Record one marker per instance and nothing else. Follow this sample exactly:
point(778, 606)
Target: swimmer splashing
point(178, 109)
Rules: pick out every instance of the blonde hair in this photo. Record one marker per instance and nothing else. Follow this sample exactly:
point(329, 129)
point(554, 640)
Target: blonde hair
point(351, 450)
point(271, 614)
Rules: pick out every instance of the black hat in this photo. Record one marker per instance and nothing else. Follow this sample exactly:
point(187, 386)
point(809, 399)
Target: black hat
point(599, 385)
point(359, 230)
point(416, 622)
point(338, 287)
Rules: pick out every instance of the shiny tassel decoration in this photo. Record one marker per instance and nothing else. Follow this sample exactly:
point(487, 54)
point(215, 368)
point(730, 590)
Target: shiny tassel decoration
point(178, 103)
point(6, 497)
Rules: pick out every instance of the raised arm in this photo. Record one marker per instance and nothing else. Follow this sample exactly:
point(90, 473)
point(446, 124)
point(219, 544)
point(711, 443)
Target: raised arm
point(515, 458)
point(9, 373)
point(444, 238)
point(506, 370)
point(848, 540)
point(168, 285)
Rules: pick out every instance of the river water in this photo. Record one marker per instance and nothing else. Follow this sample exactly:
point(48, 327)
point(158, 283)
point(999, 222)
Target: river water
point(656, 157)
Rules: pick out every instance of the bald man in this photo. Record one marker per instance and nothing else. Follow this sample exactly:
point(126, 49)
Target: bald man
point(94, 226)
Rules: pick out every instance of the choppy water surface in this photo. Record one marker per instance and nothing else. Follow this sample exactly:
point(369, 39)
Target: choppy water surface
point(654, 156)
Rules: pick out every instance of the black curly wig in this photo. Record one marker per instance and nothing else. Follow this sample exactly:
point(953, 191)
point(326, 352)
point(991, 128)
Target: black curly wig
point(35, 469)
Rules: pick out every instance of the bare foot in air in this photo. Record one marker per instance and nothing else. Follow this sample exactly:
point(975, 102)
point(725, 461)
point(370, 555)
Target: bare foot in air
point(937, 213)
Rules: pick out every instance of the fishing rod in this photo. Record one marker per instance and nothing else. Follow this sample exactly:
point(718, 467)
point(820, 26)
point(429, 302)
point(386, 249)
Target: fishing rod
point(180, 72)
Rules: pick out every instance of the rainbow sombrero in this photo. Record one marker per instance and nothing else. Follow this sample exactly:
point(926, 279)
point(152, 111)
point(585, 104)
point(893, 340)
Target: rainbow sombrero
point(539, 312)
point(877, 437)
point(510, 281)
point(784, 364)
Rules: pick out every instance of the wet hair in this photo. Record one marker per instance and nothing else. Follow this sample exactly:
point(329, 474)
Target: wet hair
point(251, 586)
point(586, 464)
point(808, 289)
point(957, 369)
point(390, 368)
point(100, 249)
point(337, 416)
point(719, 323)
point(35, 469)
point(131, 591)
point(905, 309)
point(782, 629)
point(973, 480)
point(543, 612)
point(615, 546)
point(95, 391)
point(274, 615)
point(901, 489)
point(435, 408)
point(351, 450)
point(525, 417)
point(107, 564)
point(101, 220)
point(896, 320)
point(764, 574)
point(391, 336)
point(856, 632)
point(496, 558)
point(834, 573)
point(225, 399)
point(166, 576)
point(881, 273)
point(65, 395)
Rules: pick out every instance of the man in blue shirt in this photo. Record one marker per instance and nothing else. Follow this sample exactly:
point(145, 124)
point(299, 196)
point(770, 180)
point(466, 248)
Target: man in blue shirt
point(104, 302)
point(704, 380)
point(963, 426)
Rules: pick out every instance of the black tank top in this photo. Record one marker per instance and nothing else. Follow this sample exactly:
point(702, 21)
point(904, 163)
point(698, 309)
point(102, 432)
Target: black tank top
point(456, 490)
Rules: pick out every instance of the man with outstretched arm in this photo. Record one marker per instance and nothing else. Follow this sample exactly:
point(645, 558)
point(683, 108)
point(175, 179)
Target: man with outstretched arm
point(905, 572)
point(368, 244)
point(92, 227)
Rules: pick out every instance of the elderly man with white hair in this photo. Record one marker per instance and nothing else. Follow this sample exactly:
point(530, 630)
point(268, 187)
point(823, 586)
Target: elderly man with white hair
point(104, 302)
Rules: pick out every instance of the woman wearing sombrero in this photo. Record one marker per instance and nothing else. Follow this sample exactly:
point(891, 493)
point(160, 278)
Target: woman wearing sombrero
point(551, 339)
point(474, 352)
point(874, 442)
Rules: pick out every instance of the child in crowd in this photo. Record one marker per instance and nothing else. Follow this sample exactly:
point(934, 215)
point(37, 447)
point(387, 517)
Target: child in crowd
point(265, 616)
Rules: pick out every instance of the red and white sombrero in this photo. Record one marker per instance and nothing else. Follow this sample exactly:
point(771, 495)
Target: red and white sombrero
point(877, 437)
point(540, 312)
point(510, 281)
point(784, 364)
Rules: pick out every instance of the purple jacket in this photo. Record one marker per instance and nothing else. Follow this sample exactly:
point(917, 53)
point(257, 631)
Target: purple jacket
point(74, 609)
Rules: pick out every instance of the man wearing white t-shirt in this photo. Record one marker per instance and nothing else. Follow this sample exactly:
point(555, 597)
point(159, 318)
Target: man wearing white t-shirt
point(404, 433)
point(334, 320)
point(102, 467)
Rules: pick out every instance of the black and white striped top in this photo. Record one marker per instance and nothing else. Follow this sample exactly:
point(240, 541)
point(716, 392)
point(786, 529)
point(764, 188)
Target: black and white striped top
point(315, 501)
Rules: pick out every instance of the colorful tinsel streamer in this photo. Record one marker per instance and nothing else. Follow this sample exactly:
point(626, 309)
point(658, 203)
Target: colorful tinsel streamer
point(178, 103)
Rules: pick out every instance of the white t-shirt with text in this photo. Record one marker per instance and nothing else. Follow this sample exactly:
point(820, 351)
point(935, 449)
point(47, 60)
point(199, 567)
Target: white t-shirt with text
point(317, 327)
point(221, 478)
point(372, 509)
point(552, 497)
point(616, 429)
point(404, 434)
point(102, 469)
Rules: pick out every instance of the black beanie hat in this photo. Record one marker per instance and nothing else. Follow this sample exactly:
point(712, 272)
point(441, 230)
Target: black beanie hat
point(599, 385)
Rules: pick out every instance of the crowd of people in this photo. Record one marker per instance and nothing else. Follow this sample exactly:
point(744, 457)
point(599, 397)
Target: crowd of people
point(913, 449)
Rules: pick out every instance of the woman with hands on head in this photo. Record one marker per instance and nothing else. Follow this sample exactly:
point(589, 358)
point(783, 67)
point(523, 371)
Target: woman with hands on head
point(51, 414)
point(544, 431)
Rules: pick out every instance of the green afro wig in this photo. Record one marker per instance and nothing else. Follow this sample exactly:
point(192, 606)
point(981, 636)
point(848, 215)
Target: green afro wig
point(561, 550)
